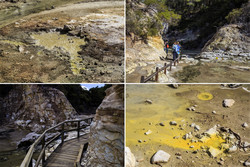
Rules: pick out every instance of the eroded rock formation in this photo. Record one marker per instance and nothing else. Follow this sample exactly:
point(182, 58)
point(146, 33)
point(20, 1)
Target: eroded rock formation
point(106, 143)
point(35, 108)
point(231, 41)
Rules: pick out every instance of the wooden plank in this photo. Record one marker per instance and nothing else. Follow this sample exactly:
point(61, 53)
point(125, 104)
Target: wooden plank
point(67, 153)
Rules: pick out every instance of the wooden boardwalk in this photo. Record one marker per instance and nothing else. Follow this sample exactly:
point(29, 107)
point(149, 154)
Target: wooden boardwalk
point(66, 155)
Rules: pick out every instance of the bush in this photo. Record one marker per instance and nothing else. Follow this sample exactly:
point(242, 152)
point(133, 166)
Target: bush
point(233, 15)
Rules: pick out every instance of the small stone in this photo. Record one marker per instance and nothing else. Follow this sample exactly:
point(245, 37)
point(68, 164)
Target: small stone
point(195, 152)
point(139, 141)
point(20, 48)
point(222, 159)
point(173, 123)
point(148, 132)
point(191, 146)
point(175, 86)
point(178, 154)
point(213, 152)
point(148, 101)
point(220, 162)
point(232, 149)
point(160, 157)
point(195, 105)
point(192, 125)
point(214, 112)
point(231, 136)
point(247, 163)
point(179, 157)
point(245, 125)
point(228, 102)
point(197, 127)
point(162, 124)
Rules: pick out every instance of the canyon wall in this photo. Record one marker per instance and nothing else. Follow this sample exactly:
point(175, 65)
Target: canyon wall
point(106, 143)
point(35, 108)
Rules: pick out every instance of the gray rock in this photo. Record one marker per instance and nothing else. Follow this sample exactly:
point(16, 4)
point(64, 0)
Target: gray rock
point(244, 125)
point(228, 102)
point(247, 163)
point(148, 101)
point(28, 139)
point(161, 124)
point(160, 157)
point(214, 112)
point(173, 123)
point(197, 127)
point(232, 149)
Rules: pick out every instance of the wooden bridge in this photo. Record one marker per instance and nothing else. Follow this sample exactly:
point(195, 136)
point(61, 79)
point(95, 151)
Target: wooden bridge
point(67, 154)
point(157, 71)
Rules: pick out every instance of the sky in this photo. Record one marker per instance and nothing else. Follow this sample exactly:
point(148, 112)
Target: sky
point(89, 86)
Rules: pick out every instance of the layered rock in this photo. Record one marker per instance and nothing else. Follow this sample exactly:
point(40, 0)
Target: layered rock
point(35, 108)
point(106, 143)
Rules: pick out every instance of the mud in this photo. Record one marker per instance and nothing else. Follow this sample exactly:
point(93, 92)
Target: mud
point(36, 48)
point(170, 104)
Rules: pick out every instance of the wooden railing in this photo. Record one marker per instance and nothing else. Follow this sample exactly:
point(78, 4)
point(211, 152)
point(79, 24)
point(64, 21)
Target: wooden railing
point(27, 162)
point(157, 71)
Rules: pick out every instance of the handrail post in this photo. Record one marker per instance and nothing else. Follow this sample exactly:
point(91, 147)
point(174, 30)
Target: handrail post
point(157, 73)
point(175, 62)
point(62, 133)
point(43, 150)
point(142, 79)
point(165, 68)
point(170, 65)
point(78, 129)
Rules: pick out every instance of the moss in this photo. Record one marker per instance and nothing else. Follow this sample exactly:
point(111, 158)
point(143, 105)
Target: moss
point(188, 73)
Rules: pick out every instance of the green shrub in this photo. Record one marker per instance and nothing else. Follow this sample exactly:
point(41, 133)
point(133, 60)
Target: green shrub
point(233, 15)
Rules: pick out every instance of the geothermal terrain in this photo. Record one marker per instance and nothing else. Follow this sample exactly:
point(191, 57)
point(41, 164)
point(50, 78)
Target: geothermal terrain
point(195, 125)
point(61, 41)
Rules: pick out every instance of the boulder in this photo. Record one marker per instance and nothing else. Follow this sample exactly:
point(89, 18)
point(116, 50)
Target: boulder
point(130, 158)
point(160, 157)
point(228, 102)
point(28, 140)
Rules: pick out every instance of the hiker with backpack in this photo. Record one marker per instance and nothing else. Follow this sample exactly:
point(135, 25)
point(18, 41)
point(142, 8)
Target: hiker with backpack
point(175, 51)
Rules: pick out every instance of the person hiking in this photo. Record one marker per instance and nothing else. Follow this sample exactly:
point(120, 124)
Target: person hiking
point(166, 47)
point(175, 51)
point(179, 49)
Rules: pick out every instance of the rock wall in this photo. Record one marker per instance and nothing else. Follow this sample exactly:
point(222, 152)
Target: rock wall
point(35, 108)
point(231, 42)
point(140, 54)
point(106, 143)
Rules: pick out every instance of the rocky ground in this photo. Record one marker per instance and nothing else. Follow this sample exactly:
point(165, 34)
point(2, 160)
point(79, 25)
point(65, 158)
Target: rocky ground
point(80, 42)
point(188, 125)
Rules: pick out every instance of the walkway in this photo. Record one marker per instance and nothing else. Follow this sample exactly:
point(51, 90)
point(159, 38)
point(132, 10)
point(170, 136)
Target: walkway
point(66, 155)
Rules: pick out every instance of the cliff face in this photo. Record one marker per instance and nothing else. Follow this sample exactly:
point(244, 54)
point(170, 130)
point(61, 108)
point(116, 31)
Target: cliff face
point(106, 143)
point(140, 54)
point(35, 108)
point(231, 41)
